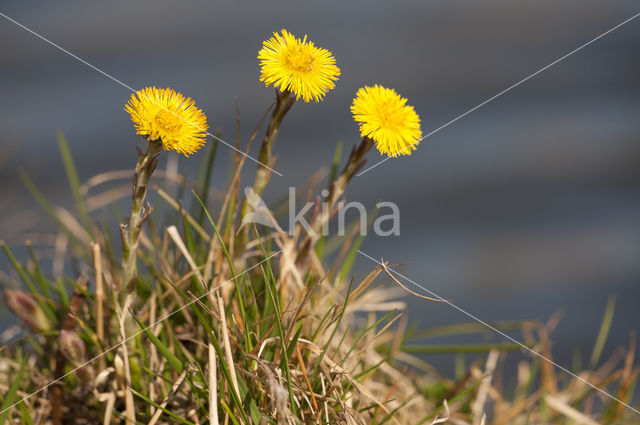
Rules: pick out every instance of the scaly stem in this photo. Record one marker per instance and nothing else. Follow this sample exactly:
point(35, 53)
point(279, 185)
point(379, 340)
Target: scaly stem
point(354, 163)
point(263, 173)
point(147, 162)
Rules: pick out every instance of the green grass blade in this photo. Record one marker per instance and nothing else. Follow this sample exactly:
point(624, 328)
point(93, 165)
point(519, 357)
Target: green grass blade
point(397, 409)
point(174, 361)
point(11, 396)
point(273, 294)
point(459, 369)
point(203, 319)
point(239, 298)
point(63, 293)
point(165, 411)
point(45, 204)
point(332, 176)
point(347, 265)
point(294, 342)
point(80, 289)
point(463, 328)
point(335, 329)
point(454, 399)
point(321, 324)
point(459, 348)
point(74, 181)
point(44, 284)
point(27, 281)
point(26, 414)
point(368, 370)
point(203, 179)
point(226, 408)
point(363, 334)
point(605, 326)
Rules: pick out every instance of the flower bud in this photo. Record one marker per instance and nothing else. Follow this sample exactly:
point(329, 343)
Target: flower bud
point(74, 350)
point(72, 347)
point(25, 307)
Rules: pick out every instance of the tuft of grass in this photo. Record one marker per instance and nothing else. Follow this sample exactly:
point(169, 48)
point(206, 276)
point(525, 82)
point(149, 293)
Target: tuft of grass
point(269, 333)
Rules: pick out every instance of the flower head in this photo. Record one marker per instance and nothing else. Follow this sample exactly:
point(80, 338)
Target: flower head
point(298, 66)
point(384, 117)
point(165, 115)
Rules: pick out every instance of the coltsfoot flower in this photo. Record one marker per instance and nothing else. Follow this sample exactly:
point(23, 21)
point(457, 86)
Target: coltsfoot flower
point(167, 116)
point(297, 66)
point(384, 117)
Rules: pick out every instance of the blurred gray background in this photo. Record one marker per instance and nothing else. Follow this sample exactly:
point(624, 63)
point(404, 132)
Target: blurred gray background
point(528, 206)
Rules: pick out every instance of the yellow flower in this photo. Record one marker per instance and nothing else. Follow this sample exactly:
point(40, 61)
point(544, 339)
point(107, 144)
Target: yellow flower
point(298, 66)
point(384, 117)
point(165, 115)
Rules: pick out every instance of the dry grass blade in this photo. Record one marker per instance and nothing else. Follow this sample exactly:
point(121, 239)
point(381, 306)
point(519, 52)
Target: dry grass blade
point(563, 408)
point(174, 389)
point(227, 346)
point(213, 386)
point(386, 269)
point(173, 233)
point(127, 383)
point(97, 261)
point(366, 282)
point(190, 219)
point(478, 406)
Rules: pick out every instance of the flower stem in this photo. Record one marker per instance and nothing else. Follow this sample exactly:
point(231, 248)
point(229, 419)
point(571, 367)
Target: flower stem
point(263, 173)
point(354, 163)
point(147, 163)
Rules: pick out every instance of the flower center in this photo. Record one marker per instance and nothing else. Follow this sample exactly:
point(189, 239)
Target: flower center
point(299, 59)
point(167, 121)
point(389, 117)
